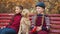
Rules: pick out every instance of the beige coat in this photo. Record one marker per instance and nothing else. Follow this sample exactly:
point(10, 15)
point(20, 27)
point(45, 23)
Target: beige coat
point(24, 26)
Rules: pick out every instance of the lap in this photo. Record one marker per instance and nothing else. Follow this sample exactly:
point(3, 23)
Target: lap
point(0, 30)
point(39, 32)
point(42, 32)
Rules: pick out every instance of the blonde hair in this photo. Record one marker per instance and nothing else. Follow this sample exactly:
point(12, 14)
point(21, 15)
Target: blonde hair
point(25, 12)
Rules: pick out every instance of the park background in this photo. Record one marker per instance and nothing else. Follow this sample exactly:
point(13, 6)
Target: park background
point(52, 6)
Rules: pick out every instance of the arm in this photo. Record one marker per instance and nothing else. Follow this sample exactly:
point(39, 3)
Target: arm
point(20, 29)
point(47, 20)
point(15, 24)
point(46, 24)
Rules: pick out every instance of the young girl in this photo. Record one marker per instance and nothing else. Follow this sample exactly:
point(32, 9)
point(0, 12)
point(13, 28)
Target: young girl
point(14, 25)
point(40, 21)
point(25, 23)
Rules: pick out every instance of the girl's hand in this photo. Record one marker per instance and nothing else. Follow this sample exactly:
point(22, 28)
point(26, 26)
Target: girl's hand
point(39, 28)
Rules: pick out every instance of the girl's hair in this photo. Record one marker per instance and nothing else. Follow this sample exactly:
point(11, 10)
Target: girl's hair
point(26, 11)
point(20, 6)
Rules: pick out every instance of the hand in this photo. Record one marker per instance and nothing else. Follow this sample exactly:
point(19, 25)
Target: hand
point(39, 28)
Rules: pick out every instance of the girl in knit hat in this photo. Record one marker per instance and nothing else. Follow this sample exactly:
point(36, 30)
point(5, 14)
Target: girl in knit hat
point(40, 22)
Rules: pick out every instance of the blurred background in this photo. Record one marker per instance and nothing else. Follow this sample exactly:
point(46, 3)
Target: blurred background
point(52, 6)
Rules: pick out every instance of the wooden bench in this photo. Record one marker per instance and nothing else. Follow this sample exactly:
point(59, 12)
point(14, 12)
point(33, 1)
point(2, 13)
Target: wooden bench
point(5, 20)
point(55, 23)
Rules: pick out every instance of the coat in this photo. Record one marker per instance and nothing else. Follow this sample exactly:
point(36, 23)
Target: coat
point(16, 22)
point(24, 26)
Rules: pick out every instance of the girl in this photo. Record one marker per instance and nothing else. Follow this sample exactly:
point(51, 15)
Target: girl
point(14, 26)
point(25, 23)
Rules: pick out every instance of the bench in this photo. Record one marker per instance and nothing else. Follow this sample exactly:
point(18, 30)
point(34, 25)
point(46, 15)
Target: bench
point(5, 20)
point(55, 23)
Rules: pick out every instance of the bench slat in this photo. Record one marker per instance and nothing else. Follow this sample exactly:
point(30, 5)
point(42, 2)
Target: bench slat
point(55, 26)
point(53, 15)
point(6, 13)
point(55, 22)
point(55, 18)
point(5, 20)
point(55, 31)
point(5, 17)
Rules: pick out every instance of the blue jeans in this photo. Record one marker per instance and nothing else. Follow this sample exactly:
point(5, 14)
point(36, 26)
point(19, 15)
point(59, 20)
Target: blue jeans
point(0, 30)
point(7, 31)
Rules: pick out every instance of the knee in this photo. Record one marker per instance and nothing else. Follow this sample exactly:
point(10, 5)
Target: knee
point(8, 31)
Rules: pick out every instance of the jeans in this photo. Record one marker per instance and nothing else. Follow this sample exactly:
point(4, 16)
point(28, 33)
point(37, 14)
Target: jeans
point(7, 31)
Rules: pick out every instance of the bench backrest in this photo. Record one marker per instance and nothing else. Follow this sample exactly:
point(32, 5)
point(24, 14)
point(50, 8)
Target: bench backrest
point(55, 23)
point(5, 19)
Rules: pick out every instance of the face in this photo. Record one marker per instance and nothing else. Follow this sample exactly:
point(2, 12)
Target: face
point(17, 10)
point(39, 10)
